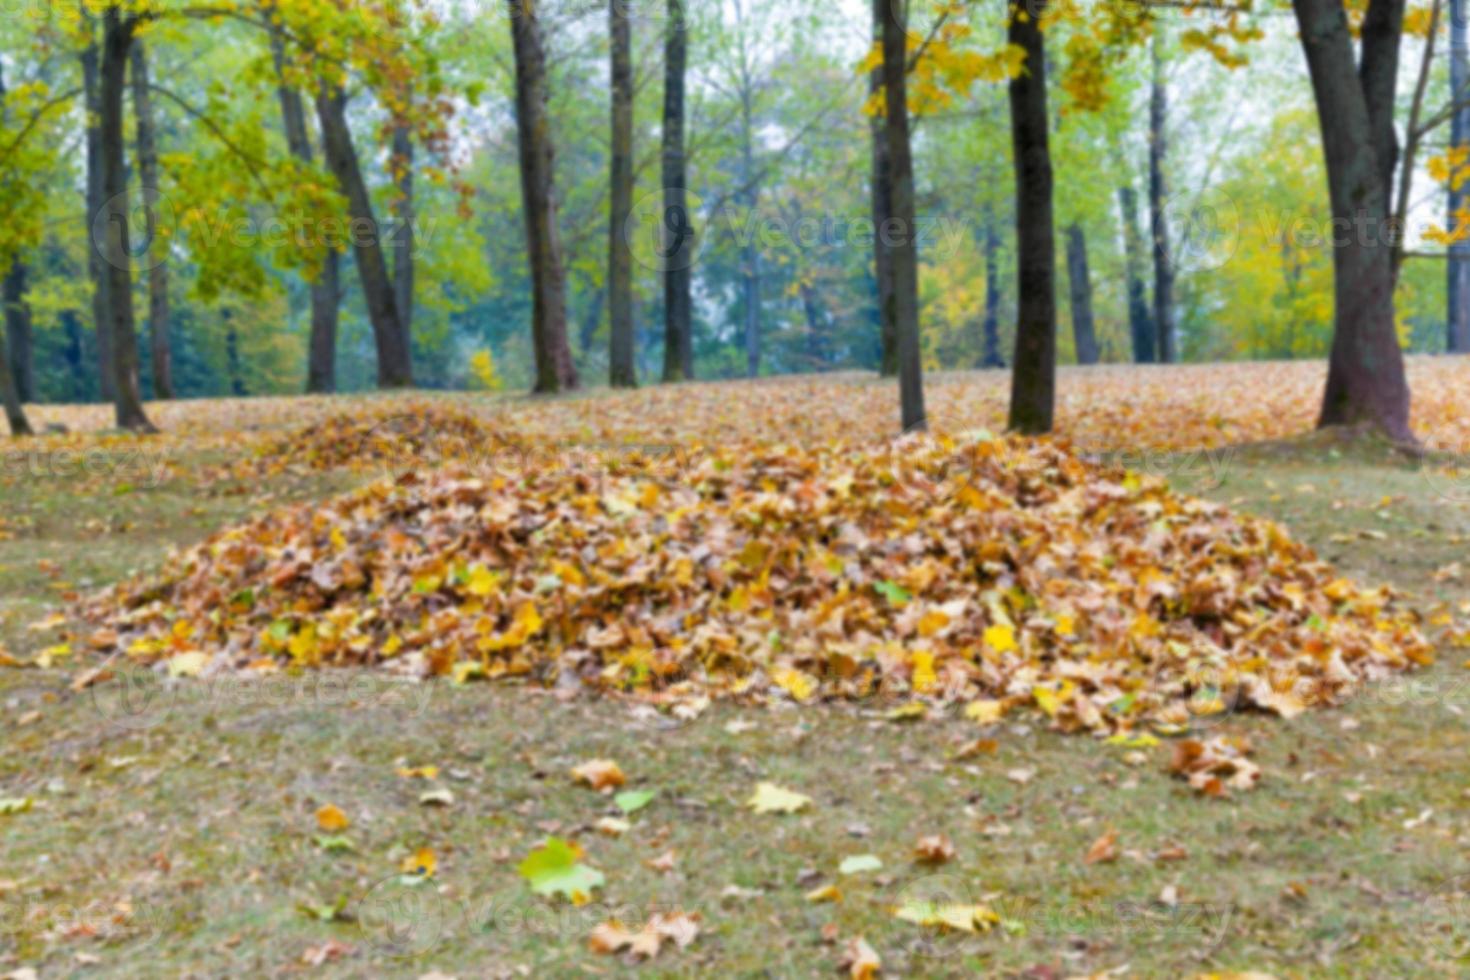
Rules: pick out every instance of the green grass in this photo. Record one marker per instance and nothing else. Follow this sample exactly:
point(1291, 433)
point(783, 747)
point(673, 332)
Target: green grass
point(173, 829)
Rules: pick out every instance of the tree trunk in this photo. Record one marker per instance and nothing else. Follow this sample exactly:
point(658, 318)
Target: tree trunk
point(902, 245)
point(622, 366)
point(116, 252)
point(71, 353)
point(677, 230)
point(1366, 382)
point(1079, 279)
point(592, 320)
point(403, 235)
point(1158, 109)
point(882, 210)
point(1457, 314)
point(321, 363)
point(1140, 321)
point(157, 255)
point(18, 333)
point(14, 414)
point(750, 256)
point(815, 334)
point(1033, 375)
point(92, 88)
point(554, 368)
point(990, 355)
point(395, 365)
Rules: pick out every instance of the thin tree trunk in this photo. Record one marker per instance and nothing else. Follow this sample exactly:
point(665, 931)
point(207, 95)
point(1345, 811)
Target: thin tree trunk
point(1158, 147)
point(990, 355)
point(588, 332)
point(395, 366)
point(1033, 375)
point(92, 87)
point(882, 205)
point(1140, 321)
point(750, 256)
point(1079, 280)
point(677, 230)
point(403, 235)
point(1457, 314)
point(18, 333)
point(554, 368)
point(157, 256)
point(321, 364)
point(902, 245)
point(71, 353)
point(815, 334)
point(622, 365)
point(1366, 382)
point(116, 257)
point(14, 414)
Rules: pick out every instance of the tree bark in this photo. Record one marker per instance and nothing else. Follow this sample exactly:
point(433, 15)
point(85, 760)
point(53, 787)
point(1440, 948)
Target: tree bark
point(321, 363)
point(554, 368)
point(1079, 279)
point(395, 365)
point(1033, 375)
point(882, 210)
point(622, 366)
point(92, 88)
point(1457, 313)
point(1366, 382)
point(677, 229)
point(1140, 321)
point(18, 333)
point(1158, 109)
point(815, 333)
point(158, 305)
point(902, 244)
point(14, 414)
point(116, 254)
point(403, 235)
point(990, 355)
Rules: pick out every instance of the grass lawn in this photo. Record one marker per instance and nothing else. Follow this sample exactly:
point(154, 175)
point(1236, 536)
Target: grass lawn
point(173, 827)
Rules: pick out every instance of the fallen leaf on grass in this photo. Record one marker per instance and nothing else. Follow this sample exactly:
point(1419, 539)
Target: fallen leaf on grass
point(934, 849)
point(334, 843)
point(328, 952)
point(1103, 850)
point(613, 937)
point(330, 818)
point(555, 868)
point(860, 960)
point(770, 798)
point(826, 893)
point(419, 772)
point(600, 774)
point(422, 863)
point(1021, 776)
point(1215, 767)
point(436, 797)
point(859, 863)
point(633, 800)
point(945, 915)
point(613, 826)
point(663, 863)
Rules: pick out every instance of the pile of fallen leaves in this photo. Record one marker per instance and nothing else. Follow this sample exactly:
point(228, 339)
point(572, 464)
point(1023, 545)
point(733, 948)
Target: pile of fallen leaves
point(927, 571)
point(403, 436)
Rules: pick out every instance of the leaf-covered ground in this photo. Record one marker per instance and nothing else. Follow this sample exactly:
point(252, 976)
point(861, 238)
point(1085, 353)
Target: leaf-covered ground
point(179, 825)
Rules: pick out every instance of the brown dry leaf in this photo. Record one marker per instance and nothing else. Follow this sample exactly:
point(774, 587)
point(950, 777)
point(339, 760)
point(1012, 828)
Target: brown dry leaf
point(1103, 850)
point(664, 863)
point(610, 937)
point(1216, 766)
point(328, 952)
point(934, 849)
point(600, 774)
point(860, 960)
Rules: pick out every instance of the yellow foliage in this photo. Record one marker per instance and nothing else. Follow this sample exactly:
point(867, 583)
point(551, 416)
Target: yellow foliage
point(483, 373)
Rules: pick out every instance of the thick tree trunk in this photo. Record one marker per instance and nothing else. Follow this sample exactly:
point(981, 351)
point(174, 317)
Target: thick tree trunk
point(395, 366)
point(1457, 313)
point(1158, 110)
point(18, 333)
point(92, 87)
point(1033, 375)
point(403, 234)
point(677, 230)
point(116, 252)
point(1366, 382)
point(1079, 279)
point(990, 355)
point(882, 210)
point(321, 363)
point(157, 257)
point(622, 364)
point(1140, 321)
point(554, 368)
point(902, 245)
